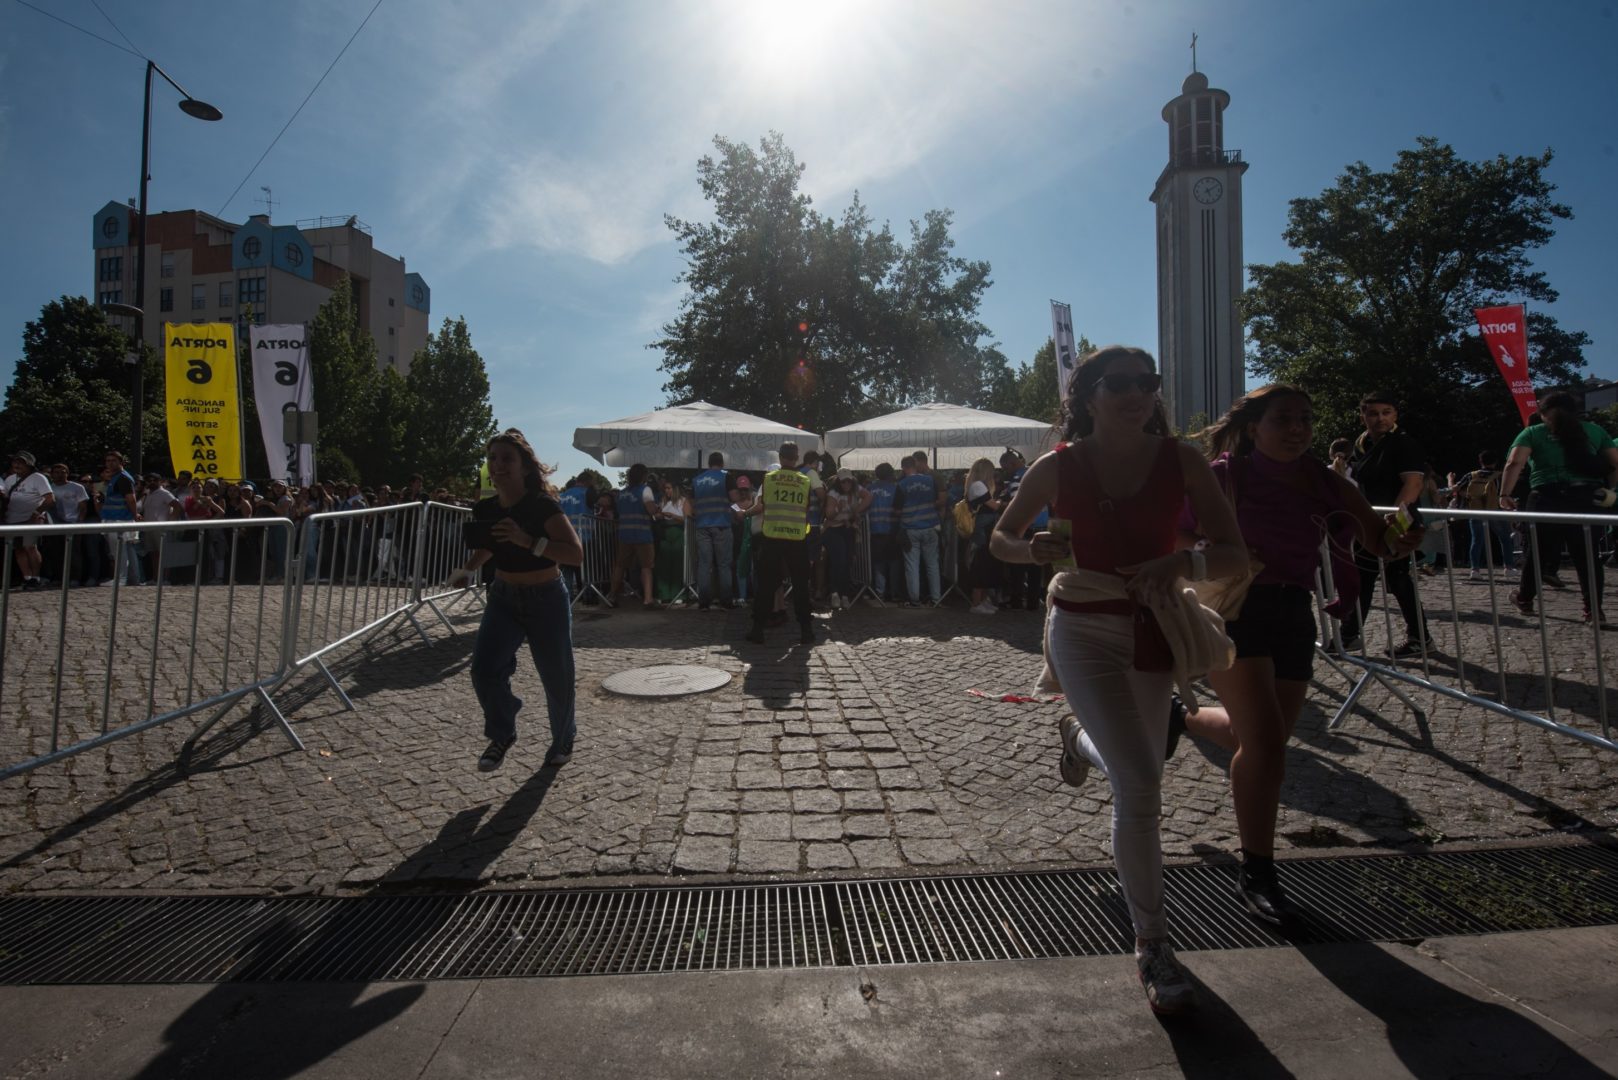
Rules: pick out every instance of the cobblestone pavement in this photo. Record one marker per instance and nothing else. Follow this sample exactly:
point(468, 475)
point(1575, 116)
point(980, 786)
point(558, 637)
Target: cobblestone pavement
point(861, 754)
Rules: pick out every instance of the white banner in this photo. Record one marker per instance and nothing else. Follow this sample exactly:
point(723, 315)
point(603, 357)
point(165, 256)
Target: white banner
point(282, 383)
point(1062, 334)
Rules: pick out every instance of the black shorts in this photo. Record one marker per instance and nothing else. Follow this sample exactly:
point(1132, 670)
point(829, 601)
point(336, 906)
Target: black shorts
point(1277, 621)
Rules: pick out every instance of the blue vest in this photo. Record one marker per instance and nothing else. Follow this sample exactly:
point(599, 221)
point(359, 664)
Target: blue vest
point(881, 515)
point(712, 499)
point(574, 501)
point(920, 508)
point(116, 507)
point(634, 522)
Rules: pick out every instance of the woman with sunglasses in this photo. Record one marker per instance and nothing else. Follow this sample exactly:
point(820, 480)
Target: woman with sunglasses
point(1121, 479)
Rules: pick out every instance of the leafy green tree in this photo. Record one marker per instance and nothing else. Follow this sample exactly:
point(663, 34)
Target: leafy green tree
point(69, 396)
point(1032, 388)
point(342, 359)
point(387, 407)
point(1391, 265)
point(450, 421)
point(592, 479)
point(817, 320)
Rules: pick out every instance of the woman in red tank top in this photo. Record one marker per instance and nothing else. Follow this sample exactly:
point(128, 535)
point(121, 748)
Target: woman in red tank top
point(1121, 482)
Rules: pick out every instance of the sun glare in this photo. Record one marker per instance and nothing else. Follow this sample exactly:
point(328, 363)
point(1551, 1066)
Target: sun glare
point(776, 42)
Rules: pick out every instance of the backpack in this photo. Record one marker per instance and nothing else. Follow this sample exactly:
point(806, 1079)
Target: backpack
point(965, 519)
point(1476, 494)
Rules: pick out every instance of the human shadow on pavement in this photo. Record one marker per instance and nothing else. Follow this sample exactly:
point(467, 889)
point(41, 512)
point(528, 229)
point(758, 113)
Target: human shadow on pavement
point(467, 846)
point(253, 1030)
point(777, 671)
point(1214, 1040)
point(1437, 1031)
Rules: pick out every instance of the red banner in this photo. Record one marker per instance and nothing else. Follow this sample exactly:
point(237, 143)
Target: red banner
point(1505, 330)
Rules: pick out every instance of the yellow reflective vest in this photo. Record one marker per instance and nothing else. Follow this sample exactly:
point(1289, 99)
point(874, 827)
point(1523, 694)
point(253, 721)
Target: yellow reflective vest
point(786, 505)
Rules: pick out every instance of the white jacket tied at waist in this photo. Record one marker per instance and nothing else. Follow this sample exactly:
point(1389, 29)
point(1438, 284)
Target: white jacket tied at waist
point(1195, 633)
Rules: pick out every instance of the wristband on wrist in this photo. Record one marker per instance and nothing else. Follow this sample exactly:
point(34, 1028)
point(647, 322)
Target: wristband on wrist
point(539, 546)
point(1199, 565)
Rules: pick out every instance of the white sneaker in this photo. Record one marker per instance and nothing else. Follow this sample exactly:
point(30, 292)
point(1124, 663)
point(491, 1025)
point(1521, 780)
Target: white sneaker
point(1074, 766)
point(1168, 991)
point(985, 608)
point(836, 602)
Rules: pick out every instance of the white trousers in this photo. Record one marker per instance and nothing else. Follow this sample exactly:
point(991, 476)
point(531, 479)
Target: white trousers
point(1125, 717)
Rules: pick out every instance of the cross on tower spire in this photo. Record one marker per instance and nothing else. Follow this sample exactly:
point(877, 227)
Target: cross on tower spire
point(1193, 52)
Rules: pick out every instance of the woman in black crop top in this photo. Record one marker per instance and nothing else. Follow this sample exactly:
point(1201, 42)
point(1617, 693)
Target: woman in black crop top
point(528, 599)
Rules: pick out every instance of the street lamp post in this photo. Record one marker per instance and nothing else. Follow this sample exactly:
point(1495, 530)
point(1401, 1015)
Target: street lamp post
point(202, 111)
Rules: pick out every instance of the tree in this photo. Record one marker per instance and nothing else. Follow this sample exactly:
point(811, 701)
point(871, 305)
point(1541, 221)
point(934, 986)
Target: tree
point(1391, 266)
point(815, 320)
point(450, 421)
point(590, 478)
point(1031, 390)
point(69, 396)
point(387, 407)
point(342, 360)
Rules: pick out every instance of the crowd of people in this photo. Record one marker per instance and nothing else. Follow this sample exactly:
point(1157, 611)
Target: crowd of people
point(59, 495)
point(1103, 534)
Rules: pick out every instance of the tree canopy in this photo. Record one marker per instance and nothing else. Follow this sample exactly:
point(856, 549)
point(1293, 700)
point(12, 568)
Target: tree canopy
point(1391, 266)
point(817, 320)
point(69, 396)
point(448, 419)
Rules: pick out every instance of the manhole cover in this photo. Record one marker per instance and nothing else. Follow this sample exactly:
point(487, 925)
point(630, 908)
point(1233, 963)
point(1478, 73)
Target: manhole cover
point(666, 680)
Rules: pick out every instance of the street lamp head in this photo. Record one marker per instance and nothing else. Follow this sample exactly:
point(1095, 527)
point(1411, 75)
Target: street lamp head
point(200, 109)
point(128, 311)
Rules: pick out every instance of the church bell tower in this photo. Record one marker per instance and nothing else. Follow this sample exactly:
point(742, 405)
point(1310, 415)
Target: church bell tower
point(1199, 259)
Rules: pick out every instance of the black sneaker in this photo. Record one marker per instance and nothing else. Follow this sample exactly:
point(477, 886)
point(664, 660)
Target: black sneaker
point(1177, 711)
point(1260, 891)
point(495, 754)
point(559, 755)
point(756, 635)
point(1412, 647)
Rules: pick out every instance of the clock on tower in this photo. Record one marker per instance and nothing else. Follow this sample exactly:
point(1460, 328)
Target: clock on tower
point(1199, 259)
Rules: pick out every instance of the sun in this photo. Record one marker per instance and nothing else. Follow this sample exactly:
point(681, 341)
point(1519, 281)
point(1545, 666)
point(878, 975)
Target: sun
point(779, 42)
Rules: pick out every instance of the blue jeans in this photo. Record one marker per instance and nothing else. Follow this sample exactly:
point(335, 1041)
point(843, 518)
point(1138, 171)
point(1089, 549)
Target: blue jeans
point(886, 561)
point(713, 551)
point(923, 554)
point(542, 614)
point(1480, 542)
point(840, 560)
point(129, 569)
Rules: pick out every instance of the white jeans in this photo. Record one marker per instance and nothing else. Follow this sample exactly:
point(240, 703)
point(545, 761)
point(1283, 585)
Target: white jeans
point(1125, 716)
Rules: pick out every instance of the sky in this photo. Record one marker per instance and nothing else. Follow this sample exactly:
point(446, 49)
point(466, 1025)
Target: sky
point(522, 157)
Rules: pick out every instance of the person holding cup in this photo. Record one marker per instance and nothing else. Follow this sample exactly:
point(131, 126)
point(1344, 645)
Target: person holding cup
point(1120, 479)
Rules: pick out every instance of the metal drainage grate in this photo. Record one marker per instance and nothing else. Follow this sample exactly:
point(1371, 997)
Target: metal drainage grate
point(165, 939)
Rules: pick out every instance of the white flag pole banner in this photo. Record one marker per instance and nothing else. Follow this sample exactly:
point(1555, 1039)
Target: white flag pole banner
point(1062, 335)
point(282, 383)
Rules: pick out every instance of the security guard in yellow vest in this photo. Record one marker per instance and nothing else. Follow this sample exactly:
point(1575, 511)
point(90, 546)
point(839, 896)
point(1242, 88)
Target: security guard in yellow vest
point(782, 552)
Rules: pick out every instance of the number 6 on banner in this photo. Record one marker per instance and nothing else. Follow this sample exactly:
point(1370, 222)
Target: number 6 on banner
point(198, 371)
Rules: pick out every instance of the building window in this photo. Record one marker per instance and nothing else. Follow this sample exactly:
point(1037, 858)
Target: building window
point(168, 264)
point(224, 294)
point(250, 291)
point(165, 299)
point(115, 296)
point(390, 331)
point(112, 268)
point(390, 301)
point(259, 318)
point(199, 297)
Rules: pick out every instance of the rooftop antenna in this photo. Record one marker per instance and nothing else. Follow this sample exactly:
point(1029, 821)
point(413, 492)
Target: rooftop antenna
point(1193, 59)
point(269, 203)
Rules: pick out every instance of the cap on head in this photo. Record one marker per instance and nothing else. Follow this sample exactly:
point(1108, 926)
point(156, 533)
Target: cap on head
point(25, 457)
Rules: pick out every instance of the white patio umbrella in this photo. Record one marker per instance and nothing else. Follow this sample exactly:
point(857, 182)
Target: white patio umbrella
point(682, 437)
point(953, 435)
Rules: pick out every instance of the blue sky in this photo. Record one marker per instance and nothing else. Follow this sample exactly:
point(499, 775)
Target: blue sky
point(522, 156)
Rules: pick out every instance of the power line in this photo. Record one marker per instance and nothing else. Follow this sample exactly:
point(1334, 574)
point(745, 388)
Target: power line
point(82, 30)
point(294, 116)
point(115, 26)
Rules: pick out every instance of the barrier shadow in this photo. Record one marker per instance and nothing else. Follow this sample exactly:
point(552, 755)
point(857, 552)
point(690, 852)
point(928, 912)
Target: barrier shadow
point(1437, 1031)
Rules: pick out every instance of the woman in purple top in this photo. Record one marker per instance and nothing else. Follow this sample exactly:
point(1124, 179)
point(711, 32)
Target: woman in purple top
point(1286, 502)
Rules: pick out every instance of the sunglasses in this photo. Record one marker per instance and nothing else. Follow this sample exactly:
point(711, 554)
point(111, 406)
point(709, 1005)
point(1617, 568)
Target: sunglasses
point(1118, 382)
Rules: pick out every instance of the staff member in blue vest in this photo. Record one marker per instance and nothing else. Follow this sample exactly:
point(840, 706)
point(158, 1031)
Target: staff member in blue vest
point(882, 522)
point(637, 506)
point(782, 551)
point(920, 503)
point(575, 500)
point(710, 498)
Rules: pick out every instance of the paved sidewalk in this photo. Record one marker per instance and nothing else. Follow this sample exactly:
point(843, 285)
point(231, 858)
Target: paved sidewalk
point(1541, 1004)
point(861, 754)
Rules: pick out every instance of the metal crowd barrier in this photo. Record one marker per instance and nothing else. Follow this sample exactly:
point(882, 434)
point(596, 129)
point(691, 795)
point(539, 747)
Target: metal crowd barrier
point(84, 667)
point(599, 538)
point(1469, 678)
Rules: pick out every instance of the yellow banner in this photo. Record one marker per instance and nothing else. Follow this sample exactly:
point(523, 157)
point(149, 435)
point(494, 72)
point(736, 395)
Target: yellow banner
point(200, 399)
